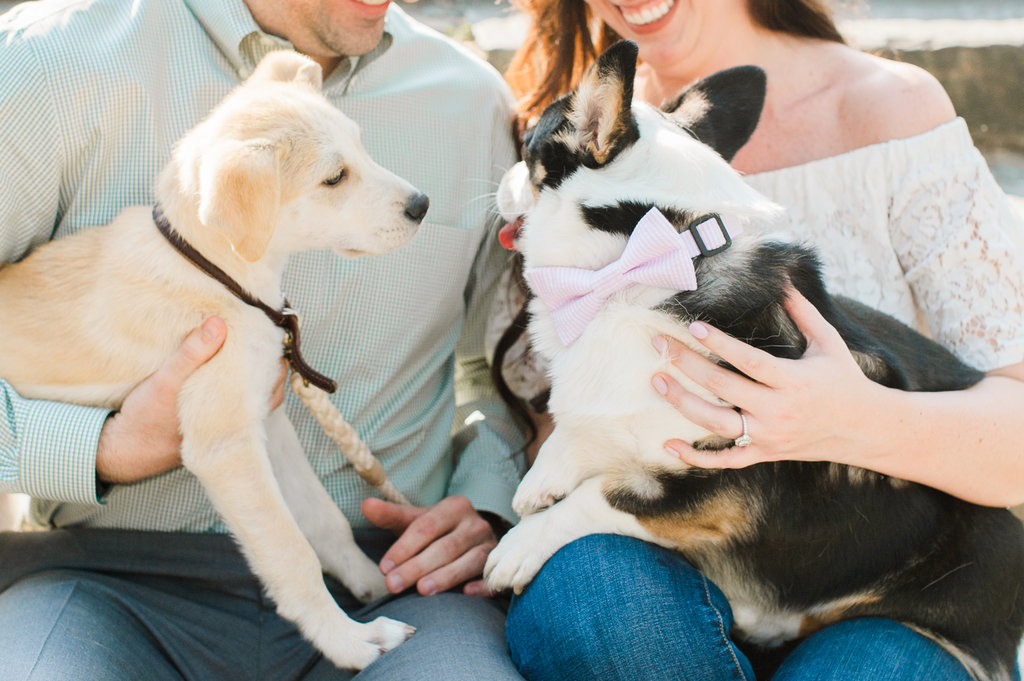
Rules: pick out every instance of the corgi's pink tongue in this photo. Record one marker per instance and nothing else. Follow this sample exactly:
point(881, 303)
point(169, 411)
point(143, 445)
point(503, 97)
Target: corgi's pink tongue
point(509, 233)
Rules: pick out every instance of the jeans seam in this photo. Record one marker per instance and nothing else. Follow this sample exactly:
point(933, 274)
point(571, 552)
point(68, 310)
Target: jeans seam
point(53, 627)
point(721, 628)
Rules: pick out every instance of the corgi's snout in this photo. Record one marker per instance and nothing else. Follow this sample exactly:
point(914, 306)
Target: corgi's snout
point(514, 193)
point(416, 207)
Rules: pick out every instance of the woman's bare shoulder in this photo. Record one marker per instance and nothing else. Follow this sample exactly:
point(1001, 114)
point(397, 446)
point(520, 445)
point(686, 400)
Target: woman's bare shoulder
point(884, 100)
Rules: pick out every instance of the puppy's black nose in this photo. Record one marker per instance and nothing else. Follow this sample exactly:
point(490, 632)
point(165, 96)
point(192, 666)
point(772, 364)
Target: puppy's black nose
point(416, 207)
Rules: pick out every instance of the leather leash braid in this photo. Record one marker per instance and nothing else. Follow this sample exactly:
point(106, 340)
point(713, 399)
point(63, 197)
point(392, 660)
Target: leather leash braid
point(285, 318)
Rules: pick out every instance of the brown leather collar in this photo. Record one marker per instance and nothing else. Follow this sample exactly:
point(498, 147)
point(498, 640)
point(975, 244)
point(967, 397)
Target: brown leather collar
point(285, 318)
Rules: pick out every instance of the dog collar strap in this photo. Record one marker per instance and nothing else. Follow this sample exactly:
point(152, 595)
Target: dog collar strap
point(285, 318)
point(655, 255)
point(708, 235)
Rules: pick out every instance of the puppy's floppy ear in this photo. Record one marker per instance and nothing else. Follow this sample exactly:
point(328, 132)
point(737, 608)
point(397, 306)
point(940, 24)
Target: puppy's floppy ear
point(240, 193)
point(600, 108)
point(722, 110)
point(286, 66)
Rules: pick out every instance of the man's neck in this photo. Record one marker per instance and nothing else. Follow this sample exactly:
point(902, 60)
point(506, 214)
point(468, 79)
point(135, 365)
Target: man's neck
point(328, 64)
point(274, 18)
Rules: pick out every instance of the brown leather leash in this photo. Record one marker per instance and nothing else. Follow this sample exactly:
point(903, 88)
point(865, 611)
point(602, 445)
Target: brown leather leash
point(286, 318)
point(311, 387)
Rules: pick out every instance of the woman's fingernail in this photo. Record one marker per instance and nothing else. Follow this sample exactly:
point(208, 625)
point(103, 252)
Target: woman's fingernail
point(428, 587)
point(673, 452)
point(659, 343)
point(699, 330)
point(387, 565)
point(660, 384)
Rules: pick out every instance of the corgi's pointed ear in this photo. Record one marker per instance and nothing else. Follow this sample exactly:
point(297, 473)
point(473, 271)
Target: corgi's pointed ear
point(600, 108)
point(723, 109)
point(286, 66)
point(240, 193)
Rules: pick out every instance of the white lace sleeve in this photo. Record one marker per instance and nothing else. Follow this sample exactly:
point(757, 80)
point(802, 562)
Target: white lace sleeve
point(958, 239)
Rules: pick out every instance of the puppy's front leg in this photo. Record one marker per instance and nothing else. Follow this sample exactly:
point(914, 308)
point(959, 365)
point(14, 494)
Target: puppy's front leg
point(320, 519)
point(557, 471)
point(224, 446)
point(522, 552)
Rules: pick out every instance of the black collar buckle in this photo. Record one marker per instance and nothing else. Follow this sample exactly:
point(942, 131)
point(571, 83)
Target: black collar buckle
point(701, 246)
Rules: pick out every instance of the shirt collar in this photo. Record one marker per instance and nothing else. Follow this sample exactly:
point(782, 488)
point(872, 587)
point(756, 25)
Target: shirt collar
point(240, 39)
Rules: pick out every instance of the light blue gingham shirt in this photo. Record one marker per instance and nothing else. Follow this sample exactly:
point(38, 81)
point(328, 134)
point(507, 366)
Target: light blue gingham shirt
point(92, 96)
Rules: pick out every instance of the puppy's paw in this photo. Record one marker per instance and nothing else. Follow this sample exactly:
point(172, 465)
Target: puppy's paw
point(532, 498)
point(542, 486)
point(357, 656)
point(359, 645)
point(388, 633)
point(359, 574)
point(519, 556)
point(368, 587)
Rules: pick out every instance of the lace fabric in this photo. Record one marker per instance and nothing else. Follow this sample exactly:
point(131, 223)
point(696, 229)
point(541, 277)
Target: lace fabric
point(919, 229)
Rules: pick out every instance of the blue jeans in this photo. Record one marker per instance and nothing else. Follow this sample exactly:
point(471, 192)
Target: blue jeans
point(97, 605)
point(608, 607)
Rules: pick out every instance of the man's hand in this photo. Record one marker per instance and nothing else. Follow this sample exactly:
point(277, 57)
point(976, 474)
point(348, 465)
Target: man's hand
point(438, 547)
point(144, 438)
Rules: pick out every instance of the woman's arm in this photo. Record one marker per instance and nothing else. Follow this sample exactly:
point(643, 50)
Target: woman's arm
point(821, 407)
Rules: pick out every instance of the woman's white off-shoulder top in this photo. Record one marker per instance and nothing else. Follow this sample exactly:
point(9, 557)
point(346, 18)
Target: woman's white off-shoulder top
point(917, 228)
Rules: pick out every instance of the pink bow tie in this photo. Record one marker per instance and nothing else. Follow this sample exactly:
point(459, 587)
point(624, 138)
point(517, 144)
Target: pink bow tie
point(655, 255)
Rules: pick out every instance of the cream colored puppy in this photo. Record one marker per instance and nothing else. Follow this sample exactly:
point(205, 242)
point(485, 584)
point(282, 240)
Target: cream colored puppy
point(274, 169)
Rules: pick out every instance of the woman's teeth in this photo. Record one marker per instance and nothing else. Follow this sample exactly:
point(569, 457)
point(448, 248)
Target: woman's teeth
point(648, 14)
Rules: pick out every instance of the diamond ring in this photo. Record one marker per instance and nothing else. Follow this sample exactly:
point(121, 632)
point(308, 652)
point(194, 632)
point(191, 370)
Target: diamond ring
point(743, 440)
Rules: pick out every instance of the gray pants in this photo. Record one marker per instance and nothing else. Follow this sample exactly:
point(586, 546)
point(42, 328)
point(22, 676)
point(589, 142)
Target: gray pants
point(91, 605)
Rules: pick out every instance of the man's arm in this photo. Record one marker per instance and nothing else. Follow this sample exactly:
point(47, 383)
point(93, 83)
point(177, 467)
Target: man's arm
point(66, 452)
point(46, 448)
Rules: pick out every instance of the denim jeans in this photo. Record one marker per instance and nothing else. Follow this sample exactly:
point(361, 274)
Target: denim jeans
point(609, 607)
point(98, 605)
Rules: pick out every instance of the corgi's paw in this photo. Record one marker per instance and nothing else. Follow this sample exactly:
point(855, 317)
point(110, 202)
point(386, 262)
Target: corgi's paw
point(520, 554)
point(541, 487)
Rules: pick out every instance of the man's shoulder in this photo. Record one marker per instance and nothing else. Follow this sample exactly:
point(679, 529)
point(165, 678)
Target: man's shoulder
point(36, 37)
point(58, 21)
point(68, 36)
point(30, 26)
point(30, 14)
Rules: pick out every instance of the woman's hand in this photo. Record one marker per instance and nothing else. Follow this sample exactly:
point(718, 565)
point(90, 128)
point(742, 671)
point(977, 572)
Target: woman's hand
point(814, 408)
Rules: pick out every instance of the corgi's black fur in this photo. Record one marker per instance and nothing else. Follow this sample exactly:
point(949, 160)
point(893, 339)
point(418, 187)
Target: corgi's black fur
point(818, 542)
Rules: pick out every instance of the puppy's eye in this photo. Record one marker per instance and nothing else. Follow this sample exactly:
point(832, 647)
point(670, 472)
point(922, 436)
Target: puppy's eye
point(331, 181)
